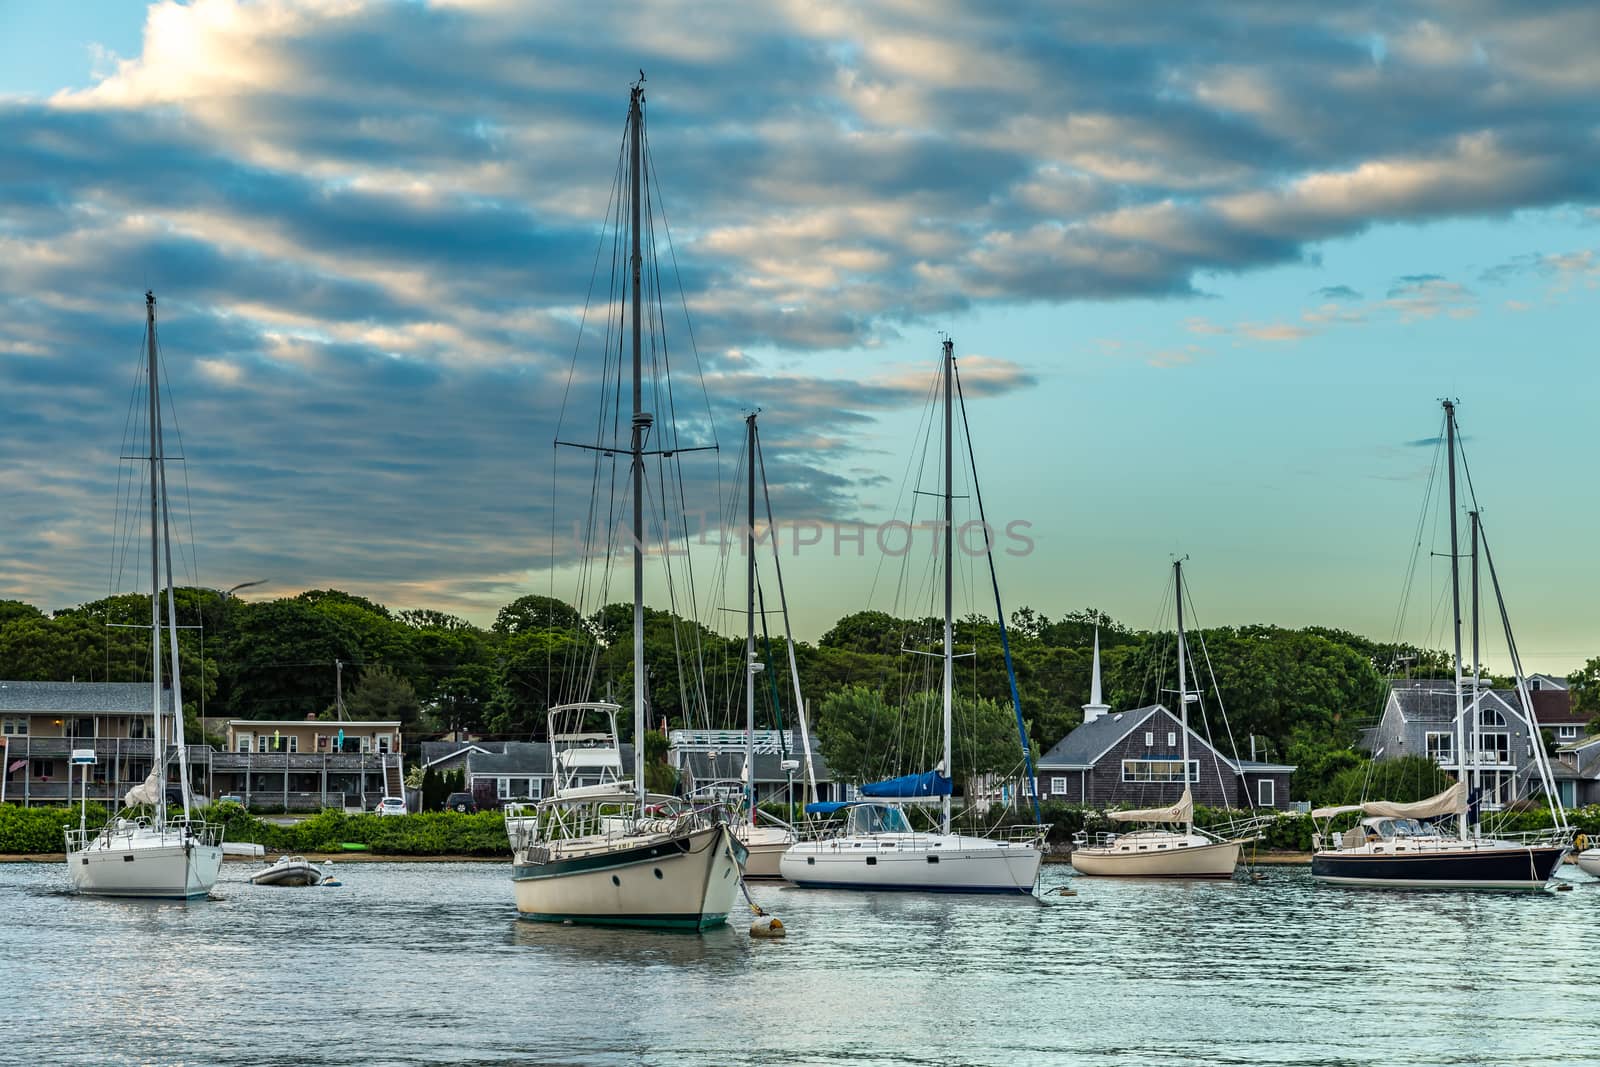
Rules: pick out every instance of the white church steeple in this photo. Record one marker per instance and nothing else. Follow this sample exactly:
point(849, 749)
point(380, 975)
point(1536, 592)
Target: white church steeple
point(1096, 706)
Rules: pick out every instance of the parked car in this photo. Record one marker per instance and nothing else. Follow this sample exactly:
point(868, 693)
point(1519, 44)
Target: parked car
point(459, 802)
point(231, 798)
point(390, 806)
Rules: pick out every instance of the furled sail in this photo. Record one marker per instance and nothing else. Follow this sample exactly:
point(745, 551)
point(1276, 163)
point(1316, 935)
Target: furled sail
point(146, 792)
point(1452, 801)
point(1182, 811)
point(926, 784)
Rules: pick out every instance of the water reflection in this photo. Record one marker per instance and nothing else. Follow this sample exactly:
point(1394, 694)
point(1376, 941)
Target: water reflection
point(422, 963)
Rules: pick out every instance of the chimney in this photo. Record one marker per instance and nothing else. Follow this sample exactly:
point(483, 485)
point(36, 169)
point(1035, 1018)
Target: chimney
point(1096, 706)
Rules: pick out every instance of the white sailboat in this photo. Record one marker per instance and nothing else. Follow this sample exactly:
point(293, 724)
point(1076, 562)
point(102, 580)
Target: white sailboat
point(1171, 846)
point(154, 855)
point(1411, 845)
point(877, 847)
point(601, 850)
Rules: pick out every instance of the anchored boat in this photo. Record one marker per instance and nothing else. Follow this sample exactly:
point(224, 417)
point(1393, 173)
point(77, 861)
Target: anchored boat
point(147, 851)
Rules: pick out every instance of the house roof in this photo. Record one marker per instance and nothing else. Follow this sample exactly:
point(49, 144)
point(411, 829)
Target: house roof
point(78, 698)
point(1554, 707)
point(1083, 747)
point(434, 752)
point(1434, 699)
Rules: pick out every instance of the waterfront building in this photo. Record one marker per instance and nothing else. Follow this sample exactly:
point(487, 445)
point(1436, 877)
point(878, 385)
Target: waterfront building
point(297, 765)
point(704, 756)
point(1419, 720)
point(1133, 759)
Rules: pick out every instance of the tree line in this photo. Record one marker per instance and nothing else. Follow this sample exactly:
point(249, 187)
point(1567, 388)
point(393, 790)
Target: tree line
point(1301, 695)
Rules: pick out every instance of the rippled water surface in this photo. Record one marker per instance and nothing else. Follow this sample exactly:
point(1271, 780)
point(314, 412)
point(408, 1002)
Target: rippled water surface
point(428, 963)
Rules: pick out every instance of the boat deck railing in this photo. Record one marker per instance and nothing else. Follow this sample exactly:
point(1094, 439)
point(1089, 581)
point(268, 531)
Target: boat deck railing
point(181, 831)
point(1442, 842)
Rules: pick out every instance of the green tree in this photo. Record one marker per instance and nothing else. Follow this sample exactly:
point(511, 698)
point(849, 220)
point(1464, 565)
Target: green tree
point(1585, 685)
point(383, 694)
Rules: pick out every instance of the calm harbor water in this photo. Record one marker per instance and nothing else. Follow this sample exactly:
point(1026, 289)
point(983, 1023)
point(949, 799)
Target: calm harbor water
point(427, 963)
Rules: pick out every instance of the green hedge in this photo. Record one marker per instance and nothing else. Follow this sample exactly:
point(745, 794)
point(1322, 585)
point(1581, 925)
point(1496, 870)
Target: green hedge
point(26, 831)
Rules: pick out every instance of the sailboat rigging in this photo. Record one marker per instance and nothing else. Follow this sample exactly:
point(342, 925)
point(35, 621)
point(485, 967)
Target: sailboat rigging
point(603, 849)
point(877, 847)
point(156, 855)
point(1172, 846)
point(1412, 845)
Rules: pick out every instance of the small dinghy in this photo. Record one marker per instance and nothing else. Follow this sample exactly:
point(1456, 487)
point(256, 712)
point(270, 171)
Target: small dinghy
point(291, 870)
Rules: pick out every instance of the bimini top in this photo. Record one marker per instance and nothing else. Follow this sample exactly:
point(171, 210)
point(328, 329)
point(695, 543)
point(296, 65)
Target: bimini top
point(926, 784)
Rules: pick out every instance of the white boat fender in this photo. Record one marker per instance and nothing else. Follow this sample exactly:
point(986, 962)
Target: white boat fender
point(768, 927)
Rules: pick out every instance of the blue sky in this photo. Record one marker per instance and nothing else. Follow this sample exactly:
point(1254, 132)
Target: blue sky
point(1209, 275)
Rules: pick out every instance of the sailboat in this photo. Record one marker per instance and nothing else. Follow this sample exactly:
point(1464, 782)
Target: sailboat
point(601, 849)
point(1412, 845)
point(1171, 846)
point(764, 841)
point(159, 854)
point(877, 847)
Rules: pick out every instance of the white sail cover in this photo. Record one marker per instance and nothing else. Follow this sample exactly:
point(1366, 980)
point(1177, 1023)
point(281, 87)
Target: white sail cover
point(1452, 801)
point(1182, 811)
point(146, 792)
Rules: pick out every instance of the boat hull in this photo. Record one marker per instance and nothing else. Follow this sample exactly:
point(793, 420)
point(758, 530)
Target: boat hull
point(1212, 859)
point(766, 846)
point(1483, 867)
point(927, 863)
point(1589, 861)
point(163, 871)
point(299, 874)
point(687, 882)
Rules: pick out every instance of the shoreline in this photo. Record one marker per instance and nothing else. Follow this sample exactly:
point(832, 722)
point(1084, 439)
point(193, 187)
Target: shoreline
point(316, 857)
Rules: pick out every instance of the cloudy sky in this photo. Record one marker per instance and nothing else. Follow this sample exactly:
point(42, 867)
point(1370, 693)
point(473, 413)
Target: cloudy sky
point(1208, 272)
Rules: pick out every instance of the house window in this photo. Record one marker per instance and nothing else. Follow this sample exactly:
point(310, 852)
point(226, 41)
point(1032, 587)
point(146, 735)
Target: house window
point(502, 788)
point(14, 727)
point(383, 744)
point(1490, 717)
point(1265, 793)
point(43, 768)
point(1496, 746)
point(1058, 785)
point(242, 743)
point(535, 788)
point(1567, 733)
point(1149, 740)
point(322, 742)
point(1158, 770)
point(1441, 747)
point(294, 743)
point(1172, 739)
point(137, 727)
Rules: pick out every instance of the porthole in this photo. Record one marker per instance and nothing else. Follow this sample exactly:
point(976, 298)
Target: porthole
point(811, 861)
point(615, 880)
point(658, 872)
point(872, 861)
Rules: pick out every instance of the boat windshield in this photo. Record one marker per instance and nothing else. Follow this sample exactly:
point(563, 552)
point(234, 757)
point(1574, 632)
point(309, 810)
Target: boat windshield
point(878, 819)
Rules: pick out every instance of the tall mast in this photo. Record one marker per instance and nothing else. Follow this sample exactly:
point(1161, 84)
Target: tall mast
point(750, 616)
point(172, 606)
point(1455, 597)
point(1477, 712)
point(949, 536)
point(1183, 685)
point(158, 751)
point(641, 426)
